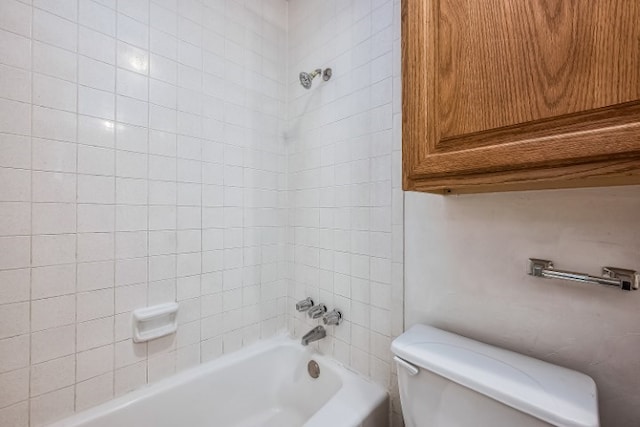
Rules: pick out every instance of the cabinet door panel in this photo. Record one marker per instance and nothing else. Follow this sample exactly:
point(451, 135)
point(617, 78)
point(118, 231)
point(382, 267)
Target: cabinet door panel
point(504, 87)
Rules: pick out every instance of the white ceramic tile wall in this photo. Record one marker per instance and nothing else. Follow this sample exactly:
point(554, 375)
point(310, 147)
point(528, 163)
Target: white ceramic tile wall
point(141, 161)
point(466, 262)
point(345, 177)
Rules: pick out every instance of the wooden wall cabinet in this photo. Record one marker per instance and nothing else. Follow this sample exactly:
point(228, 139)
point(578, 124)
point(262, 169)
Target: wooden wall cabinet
point(520, 94)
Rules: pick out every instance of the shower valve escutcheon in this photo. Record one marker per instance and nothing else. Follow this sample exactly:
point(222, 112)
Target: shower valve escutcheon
point(332, 318)
point(317, 311)
point(305, 304)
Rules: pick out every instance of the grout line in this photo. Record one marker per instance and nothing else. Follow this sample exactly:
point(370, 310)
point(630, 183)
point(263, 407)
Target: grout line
point(115, 196)
point(202, 210)
point(77, 133)
point(30, 358)
point(176, 134)
point(148, 232)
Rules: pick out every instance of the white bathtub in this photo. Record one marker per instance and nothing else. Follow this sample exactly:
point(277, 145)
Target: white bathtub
point(265, 384)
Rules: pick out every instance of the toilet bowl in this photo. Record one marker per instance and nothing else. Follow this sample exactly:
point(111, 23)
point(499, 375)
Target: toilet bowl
point(447, 380)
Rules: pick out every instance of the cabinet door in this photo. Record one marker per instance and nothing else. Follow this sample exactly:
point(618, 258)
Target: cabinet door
point(520, 94)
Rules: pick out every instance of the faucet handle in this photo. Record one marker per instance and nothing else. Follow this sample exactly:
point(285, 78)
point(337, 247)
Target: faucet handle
point(305, 304)
point(317, 311)
point(334, 317)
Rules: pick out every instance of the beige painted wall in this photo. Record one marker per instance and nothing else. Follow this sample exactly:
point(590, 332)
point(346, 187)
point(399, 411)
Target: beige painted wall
point(466, 260)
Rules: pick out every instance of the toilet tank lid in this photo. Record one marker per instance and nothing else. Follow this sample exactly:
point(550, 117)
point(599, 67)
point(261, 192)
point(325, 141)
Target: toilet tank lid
point(551, 393)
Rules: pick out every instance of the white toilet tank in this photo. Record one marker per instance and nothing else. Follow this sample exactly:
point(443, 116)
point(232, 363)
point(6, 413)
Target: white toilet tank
point(447, 380)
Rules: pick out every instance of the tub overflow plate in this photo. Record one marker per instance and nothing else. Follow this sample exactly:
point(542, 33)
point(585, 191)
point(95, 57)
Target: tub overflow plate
point(313, 369)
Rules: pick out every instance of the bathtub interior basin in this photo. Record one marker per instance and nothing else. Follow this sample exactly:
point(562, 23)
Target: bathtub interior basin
point(266, 384)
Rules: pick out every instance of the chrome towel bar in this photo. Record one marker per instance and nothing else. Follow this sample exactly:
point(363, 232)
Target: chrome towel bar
point(627, 280)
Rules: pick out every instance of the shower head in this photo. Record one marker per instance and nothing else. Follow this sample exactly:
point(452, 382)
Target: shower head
point(307, 78)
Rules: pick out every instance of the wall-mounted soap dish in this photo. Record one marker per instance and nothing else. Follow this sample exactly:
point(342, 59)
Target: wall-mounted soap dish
point(154, 322)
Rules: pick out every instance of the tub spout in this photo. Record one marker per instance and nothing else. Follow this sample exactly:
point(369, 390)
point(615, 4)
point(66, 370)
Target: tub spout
point(315, 334)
